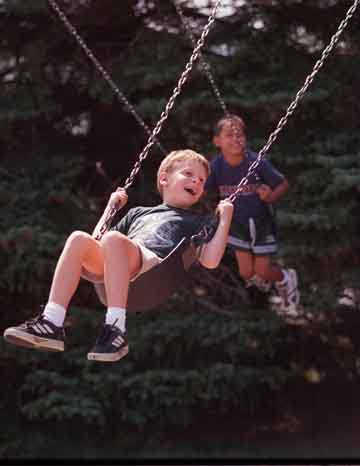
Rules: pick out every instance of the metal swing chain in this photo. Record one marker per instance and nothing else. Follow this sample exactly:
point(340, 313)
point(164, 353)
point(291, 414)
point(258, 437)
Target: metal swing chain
point(290, 110)
point(163, 117)
point(204, 64)
point(207, 69)
point(102, 70)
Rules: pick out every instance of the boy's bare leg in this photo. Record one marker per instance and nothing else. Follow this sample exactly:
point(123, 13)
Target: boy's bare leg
point(80, 250)
point(46, 331)
point(122, 260)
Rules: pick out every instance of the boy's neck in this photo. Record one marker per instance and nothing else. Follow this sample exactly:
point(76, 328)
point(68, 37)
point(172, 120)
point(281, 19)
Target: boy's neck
point(175, 206)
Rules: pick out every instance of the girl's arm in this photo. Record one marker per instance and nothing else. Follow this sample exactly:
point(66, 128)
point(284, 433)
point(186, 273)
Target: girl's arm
point(213, 251)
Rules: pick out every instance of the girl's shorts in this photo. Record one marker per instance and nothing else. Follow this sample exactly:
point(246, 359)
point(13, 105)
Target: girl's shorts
point(259, 241)
point(148, 260)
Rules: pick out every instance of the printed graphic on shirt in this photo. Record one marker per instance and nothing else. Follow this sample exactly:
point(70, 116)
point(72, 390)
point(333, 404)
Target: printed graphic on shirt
point(226, 190)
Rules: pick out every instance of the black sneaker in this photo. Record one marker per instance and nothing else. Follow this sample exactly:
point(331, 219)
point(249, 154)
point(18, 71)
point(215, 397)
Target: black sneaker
point(111, 345)
point(38, 333)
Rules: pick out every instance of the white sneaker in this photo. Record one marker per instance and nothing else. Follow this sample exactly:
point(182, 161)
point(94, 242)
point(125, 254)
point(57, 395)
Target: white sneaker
point(349, 298)
point(277, 305)
point(250, 282)
point(289, 294)
point(262, 285)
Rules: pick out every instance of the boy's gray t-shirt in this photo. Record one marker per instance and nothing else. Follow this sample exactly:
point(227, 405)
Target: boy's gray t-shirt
point(160, 228)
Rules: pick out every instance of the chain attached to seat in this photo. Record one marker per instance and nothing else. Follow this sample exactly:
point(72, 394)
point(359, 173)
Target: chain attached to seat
point(102, 70)
point(204, 64)
point(290, 110)
point(164, 115)
point(300, 94)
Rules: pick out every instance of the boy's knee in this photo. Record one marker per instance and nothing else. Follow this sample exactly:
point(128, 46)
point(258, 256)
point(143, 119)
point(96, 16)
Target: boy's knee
point(113, 237)
point(78, 237)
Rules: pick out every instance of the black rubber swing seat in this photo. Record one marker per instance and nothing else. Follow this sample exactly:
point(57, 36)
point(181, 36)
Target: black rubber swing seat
point(159, 283)
point(156, 285)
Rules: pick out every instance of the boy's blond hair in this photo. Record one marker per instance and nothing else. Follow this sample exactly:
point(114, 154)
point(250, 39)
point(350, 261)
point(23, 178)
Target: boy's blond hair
point(176, 156)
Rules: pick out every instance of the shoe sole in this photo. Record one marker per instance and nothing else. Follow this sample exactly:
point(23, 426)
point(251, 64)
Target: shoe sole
point(19, 338)
point(110, 357)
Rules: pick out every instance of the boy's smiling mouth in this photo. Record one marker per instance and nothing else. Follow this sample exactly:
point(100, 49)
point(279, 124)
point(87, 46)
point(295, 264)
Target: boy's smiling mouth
point(190, 191)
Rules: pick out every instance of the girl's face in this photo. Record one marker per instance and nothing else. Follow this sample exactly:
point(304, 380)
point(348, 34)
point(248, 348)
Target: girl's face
point(231, 140)
point(183, 186)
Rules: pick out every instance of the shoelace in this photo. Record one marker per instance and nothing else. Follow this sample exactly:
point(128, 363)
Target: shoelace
point(282, 290)
point(34, 320)
point(106, 332)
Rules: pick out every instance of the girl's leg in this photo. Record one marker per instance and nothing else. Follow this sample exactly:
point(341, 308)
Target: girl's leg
point(245, 262)
point(122, 260)
point(80, 250)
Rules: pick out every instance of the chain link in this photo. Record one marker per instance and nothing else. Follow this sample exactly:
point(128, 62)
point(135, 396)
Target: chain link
point(204, 64)
point(290, 110)
point(102, 70)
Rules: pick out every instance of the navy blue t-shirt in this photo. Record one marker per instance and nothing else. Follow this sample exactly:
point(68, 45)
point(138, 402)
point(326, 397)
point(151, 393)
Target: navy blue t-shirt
point(160, 228)
point(225, 178)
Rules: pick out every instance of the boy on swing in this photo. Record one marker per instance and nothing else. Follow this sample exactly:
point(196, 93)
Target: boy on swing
point(253, 233)
point(143, 237)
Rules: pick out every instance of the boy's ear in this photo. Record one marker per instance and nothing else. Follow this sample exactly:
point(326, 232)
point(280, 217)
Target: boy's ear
point(163, 178)
point(216, 141)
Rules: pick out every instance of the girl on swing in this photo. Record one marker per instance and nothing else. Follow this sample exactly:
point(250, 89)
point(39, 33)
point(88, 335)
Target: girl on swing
point(143, 237)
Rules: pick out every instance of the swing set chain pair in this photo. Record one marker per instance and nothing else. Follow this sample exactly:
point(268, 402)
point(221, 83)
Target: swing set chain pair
point(290, 110)
point(163, 117)
point(204, 64)
point(102, 70)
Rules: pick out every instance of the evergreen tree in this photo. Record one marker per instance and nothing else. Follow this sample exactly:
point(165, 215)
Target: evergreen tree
point(206, 351)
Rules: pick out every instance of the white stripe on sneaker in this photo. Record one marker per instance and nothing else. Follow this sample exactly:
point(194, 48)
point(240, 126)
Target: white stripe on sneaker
point(118, 341)
point(43, 328)
point(48, 329)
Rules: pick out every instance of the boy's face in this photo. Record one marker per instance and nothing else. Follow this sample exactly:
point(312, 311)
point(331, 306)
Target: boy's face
point(183, 186)
point(231, 140)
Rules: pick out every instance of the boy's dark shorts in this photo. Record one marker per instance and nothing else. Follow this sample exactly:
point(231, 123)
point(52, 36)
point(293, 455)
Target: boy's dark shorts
point(258, 239)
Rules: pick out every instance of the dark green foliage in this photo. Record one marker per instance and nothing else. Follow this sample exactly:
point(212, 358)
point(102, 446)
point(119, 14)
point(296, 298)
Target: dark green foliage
point(187, 364)
point(173, 375)
point(42, 204)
